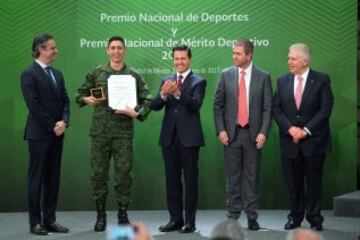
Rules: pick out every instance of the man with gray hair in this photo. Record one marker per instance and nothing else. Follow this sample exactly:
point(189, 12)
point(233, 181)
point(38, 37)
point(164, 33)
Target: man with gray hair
point(303, 234)
point(228, 230)
point(302, 106)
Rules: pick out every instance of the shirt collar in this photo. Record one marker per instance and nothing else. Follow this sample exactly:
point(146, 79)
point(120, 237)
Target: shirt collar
point(43, 65)
point(184, 74)
point(247, 70)
point(304, 75)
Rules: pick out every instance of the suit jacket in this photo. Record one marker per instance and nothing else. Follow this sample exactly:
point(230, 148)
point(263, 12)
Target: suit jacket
point(314, 113)
point(226, 102)
point(183, 114)
point(46, 104)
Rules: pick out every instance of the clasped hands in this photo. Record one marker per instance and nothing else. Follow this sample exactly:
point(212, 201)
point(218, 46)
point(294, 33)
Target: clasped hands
point(297, 134)
point(169, 87)
point(128, 111)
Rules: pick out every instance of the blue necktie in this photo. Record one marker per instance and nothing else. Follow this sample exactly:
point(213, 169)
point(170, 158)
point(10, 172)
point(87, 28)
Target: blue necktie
point(49, 73)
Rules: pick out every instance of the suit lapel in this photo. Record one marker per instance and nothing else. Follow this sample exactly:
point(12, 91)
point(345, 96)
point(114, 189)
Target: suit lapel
point(57, 78)
point(186, 82)
point(290, 90)
point(308, 87)
point(45, 78)
point(253, 83)
point(234, 84)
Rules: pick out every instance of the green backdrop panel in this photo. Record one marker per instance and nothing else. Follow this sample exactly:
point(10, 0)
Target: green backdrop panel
point(151, 28)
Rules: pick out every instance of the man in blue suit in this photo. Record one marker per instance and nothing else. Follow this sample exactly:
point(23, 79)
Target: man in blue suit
point(302, 106)
point(181, 136)
point(45, 96)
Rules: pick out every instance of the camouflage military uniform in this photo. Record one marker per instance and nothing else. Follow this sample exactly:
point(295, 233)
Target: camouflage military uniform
point(112, 134)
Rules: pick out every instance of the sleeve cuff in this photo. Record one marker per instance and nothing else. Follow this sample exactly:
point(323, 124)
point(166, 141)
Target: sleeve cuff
point(178, 97)
point(307, 130)
point(163, 97)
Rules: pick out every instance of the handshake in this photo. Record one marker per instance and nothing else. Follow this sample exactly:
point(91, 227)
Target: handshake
point(170, 88)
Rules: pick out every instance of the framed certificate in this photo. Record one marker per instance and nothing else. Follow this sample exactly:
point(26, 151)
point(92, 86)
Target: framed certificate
point(122, 92)
point(98, 93)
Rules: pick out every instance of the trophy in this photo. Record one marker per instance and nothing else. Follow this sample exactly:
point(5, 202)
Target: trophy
point(98, 93)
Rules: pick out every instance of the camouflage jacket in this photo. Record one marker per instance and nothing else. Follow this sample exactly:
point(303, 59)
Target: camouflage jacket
point(106, 123)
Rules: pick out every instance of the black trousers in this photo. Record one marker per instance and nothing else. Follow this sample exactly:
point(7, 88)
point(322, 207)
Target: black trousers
point(303, 176)
point(178, 160)
point(44, 179)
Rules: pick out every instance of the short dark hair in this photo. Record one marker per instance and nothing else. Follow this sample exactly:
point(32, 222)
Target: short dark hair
point(182, 48)
point(39, 41)
point(116, 38)
point(246, 44)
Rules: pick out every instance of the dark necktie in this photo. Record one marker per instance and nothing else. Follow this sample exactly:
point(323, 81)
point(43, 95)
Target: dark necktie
point(179, 82)
point(49, 73)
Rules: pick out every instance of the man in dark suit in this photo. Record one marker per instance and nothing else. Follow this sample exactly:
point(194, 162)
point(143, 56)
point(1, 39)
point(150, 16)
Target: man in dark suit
point(45, 96)
point(302, 106)
point(242, 111)
point(181, 137)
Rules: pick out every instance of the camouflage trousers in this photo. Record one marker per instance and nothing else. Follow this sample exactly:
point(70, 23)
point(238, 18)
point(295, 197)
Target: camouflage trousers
point(121, 151)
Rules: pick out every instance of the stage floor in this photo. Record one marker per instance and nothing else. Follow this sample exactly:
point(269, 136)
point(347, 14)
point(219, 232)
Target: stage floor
point(14, 226)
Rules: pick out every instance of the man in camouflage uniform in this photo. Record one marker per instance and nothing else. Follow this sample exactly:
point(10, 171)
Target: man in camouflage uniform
point(112, 131)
